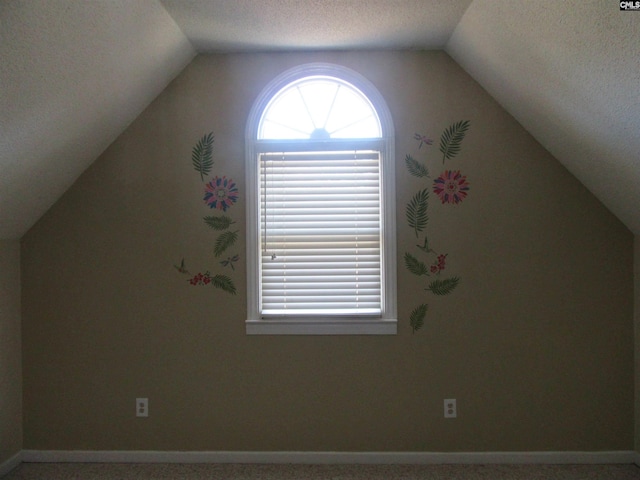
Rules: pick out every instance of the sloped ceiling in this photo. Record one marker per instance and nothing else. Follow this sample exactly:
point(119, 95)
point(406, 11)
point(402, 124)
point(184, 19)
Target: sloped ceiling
point(224, 25)
point(75, 73)
point(569, 72)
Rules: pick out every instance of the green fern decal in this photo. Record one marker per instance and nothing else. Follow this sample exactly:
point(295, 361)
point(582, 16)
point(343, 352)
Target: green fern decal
point(451, 139)
point(202, 155)
point(416, 319)
point(417, 211)
point(223, 283)
point(218, 223)
point(414, 265)
point(224, 241)
point(443, 287)
point(416, 168)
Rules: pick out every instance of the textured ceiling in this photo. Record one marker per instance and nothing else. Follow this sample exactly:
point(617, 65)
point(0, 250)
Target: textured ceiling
point(570, 74)
point(75, 73)
point(241, 25)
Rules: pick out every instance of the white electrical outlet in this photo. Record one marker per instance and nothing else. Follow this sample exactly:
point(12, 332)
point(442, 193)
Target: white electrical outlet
point(142, 407)
point(450, 409)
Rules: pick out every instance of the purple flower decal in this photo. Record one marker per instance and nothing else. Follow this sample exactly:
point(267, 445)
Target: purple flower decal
point(451, 186)
point(220, 193)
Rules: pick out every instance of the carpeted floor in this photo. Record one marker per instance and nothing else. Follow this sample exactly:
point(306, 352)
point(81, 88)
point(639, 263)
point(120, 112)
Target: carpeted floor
point(113, 471)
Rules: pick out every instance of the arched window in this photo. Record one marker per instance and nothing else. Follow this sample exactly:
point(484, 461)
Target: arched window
point(321, 203)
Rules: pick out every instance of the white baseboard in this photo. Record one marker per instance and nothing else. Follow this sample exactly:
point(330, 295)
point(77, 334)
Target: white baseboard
point(116, 456)
point(10, 464)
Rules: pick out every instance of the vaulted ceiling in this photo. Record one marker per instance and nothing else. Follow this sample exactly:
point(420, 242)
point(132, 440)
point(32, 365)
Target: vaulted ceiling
point(75, 73)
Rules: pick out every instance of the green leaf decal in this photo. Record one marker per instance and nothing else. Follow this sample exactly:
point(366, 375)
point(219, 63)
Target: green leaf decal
point(451, 139)
point(414, 265)
point(417, 211)
point(443, 287)
point(218, 223)
point(417, 317)
point(224, 283)
point(416, 168)
point(202, 155)
point(224, 241)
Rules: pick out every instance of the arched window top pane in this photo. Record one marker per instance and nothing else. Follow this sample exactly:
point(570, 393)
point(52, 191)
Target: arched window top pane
point(319, 107)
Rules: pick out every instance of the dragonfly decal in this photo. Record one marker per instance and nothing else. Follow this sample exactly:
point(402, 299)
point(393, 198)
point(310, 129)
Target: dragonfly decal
point(230, 261)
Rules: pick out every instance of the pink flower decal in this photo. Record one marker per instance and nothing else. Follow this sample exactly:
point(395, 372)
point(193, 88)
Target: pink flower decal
point(201, 279)
point(451, 186)
point(439, 264)
point(220, 193)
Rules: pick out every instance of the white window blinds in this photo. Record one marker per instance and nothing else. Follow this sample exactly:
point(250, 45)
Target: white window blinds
point(320, 233)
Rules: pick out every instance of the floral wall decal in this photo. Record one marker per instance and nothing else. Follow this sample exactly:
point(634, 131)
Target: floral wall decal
point(220, 193)
point(451, 187)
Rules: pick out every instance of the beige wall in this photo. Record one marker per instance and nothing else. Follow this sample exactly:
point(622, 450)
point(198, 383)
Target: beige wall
point(636, 283)
point(536, 343)
point(10, 353)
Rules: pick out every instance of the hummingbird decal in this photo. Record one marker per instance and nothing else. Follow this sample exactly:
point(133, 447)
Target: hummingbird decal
point(182, 268)
point(425, 248)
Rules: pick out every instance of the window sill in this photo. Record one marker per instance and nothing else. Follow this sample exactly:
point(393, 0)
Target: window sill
point(322, 327)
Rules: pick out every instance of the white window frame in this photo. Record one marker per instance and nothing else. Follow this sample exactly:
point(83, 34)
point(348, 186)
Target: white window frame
point(384, 324)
